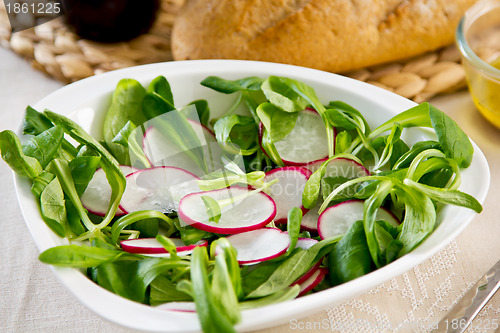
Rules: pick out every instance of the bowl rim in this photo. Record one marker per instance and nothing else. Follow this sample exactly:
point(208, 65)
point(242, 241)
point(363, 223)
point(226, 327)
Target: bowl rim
point(84, 289)
point(471, 15)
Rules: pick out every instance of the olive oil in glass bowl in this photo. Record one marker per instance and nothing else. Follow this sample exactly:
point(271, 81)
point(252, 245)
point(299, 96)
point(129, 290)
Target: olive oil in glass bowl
point(478, 38)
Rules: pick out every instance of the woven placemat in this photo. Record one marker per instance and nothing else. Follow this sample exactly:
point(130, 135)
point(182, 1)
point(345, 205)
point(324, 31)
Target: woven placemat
point(52, 48)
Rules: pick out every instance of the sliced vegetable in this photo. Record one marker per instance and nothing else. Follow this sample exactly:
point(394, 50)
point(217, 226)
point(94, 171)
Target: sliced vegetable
point(287, 191)
point(259, 245)
point(162, 152)
point(313, 281)
point(241, 210)
point(294, 150)
point(159, 188)
point(96, 196)
point(337, 219)
point(151, 246)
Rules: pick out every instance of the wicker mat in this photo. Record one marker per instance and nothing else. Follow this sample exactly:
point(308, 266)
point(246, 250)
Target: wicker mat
point(53, 49)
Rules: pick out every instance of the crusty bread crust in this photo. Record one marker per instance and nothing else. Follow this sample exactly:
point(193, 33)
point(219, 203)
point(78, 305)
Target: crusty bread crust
point(332, 35)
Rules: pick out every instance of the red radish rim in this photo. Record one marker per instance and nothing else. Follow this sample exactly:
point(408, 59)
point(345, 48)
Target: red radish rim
point(321, 276)
point(165, 307)
point(321, 161)
point(306, 172)
point(291, 163)
point(119, 211)
point(157, 250)
point(361, 166)
point(308, 274)
point(247, 262)
point(306, 228)
point(222, 230)
point(354, 200)
point(276, 255)
point(155, 167)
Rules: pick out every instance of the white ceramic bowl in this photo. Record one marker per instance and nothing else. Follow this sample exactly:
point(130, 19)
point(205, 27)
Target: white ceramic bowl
point(87, 100)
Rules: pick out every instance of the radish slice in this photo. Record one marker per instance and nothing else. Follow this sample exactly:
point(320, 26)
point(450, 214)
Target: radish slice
point(96, 196)
point(341, 167)
point(158, 188)
point(313, 281)
point(305, 243)
point(308, 274)
point(248, 211)
point(338, 167)
point(150, 246)
point(345, 167)
point(295, 149)
point(336, 220)
point(259, 245)
point(161, 152)
point(310, 219)
point(287, 192)
point(178, 306)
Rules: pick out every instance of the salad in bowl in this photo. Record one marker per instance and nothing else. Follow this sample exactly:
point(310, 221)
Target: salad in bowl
point(226, 190)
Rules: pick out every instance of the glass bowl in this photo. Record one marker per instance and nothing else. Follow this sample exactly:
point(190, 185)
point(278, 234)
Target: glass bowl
point(478, 39)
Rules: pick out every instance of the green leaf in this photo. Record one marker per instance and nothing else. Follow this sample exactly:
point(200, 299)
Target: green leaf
point(452, 197)
point(168, 245)
point(329, 184)
point(270, 149)
point(81, 256)
point(293, 267)
point(131, 279)
point(454, 142)
point(278, 297)
point(417, 116)
point(212, 318)
point(61, 169)
point(419, 220)
point(212, 207)
point(277, 122)
point(53, 207)
point(82, 170)
point(202, 111)
point(130, 137)
point(300, 93)
point(230, 256)
point(351, 257)
point(343, 141)
point(161, 86)
point(390, 142)
point(237, 134)
point(293, 226)
point(35, 122)
point(405, 160)
point(125, 106)
point(120, 224)
point(232, 86)
point(114, 175)
point(223, 290)
point(163, 290)
point(40, 182)
point(282, 96)
point(312, 189)
point(12, 154)
point(372, 204)
point(45, 145)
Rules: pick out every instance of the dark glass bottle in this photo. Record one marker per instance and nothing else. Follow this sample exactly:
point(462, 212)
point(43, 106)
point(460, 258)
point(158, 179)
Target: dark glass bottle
point(110, 20)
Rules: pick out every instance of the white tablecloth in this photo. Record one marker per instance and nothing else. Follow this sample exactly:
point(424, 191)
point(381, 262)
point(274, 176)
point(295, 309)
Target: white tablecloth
point(32, 300)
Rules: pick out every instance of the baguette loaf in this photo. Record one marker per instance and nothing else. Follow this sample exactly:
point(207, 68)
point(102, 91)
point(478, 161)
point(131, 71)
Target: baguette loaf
point(331, 35)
